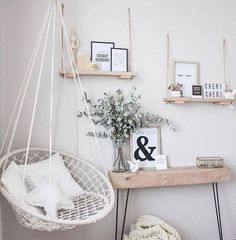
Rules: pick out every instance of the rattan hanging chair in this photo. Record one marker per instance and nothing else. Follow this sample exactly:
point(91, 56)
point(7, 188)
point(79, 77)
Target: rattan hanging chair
point(97, 199)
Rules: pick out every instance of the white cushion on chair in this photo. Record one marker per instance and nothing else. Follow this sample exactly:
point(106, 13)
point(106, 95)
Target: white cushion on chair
point(39, 171)
point(12, 181)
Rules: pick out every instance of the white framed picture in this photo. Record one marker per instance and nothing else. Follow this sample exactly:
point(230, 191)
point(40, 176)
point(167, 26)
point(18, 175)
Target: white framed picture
point(186, 74)
point(146, 146)
point(101, 54)
point(119, 59)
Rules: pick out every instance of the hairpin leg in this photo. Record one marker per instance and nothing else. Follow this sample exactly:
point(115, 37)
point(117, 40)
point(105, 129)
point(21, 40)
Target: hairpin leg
point(117, 213)
point(125, 213)
point(217, 208)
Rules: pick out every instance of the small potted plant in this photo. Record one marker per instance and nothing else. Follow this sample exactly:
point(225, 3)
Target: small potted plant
point(120, 115)
point(175, 90)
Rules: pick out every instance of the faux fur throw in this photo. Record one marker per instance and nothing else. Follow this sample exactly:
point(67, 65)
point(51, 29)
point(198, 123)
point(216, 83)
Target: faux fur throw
point(151, 228)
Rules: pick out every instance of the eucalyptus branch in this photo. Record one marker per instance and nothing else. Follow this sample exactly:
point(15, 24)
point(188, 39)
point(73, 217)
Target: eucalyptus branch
point(120, 115)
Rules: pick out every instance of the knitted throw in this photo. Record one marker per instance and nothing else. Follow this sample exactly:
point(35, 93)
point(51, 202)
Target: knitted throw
point(151, 228)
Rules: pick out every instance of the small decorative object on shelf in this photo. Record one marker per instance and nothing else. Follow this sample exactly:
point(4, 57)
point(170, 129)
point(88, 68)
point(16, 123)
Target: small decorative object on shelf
point(121, 115)
point(161, 162)
point(210, 162)
point(93, 66)
point(175, 90)
point(133, 166)
point(229, 94)
point(213, 90)
point(197, 91)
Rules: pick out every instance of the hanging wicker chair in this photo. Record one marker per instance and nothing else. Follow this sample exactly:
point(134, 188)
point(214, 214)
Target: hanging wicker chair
point(93, 205)
point(98, 197)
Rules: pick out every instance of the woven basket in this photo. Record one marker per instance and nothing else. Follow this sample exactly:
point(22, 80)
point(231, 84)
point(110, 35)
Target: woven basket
point(93, 205)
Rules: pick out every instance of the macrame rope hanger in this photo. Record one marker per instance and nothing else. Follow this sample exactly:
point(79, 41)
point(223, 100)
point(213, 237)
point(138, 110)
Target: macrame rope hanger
point(227, 78)
point(36, 103)
point(97, 199)
point(22, 93)
point(169, 64)
point(79, 88)
point(130, 42)
point(23, 90)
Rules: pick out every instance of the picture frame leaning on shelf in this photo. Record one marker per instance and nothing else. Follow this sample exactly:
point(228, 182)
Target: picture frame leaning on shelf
point(187, 74)
point(101, 54)
point(119, 59)
point(146, 146)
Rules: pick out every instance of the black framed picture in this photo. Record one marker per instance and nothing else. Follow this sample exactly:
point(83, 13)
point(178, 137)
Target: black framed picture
point(101, 54)
point(119, 59)
point(197, 91)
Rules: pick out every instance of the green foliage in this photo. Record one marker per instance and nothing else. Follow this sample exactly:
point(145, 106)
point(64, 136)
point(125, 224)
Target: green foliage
point(121, 115)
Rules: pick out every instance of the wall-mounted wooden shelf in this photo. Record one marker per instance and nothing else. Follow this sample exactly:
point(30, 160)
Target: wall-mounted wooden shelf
point(182, 100)
point(120, 75)
point(169, 177)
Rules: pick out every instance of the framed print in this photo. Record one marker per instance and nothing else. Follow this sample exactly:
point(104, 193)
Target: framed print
point(119, 59)
point(186, 74)
point(146, 146)
point(101, 54)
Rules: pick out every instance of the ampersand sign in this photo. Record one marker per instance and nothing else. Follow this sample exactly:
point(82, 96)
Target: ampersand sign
point(142, 141)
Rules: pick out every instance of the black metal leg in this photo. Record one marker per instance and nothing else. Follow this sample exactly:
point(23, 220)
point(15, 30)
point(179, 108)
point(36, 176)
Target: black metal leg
point(217, 208)
point(117, 213)
point(125, 213)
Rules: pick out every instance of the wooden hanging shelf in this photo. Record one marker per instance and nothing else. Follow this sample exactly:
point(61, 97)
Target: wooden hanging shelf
point(182, 100)
point(120, 75)
point(169, 177)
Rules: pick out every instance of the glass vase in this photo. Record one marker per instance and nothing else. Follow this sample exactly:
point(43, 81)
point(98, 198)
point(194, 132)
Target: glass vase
point(120, 163)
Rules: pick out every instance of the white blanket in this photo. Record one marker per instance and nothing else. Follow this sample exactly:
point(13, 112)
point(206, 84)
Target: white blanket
point(151, 228)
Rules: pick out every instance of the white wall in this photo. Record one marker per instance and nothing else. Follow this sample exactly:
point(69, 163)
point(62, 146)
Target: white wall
point(196, 28)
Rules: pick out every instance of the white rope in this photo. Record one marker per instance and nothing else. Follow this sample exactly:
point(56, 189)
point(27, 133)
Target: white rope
point(168, 63)
point(74, 66)
point(36, 99)
point(130, 42)
point(31, 66)
point(67, 96)
point(72, 62)
point(51, 95)
point(227, 79)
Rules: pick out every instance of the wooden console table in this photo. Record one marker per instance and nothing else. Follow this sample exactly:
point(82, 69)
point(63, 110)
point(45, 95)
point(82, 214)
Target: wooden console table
point(170, 177)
